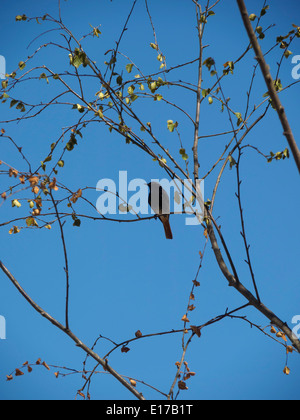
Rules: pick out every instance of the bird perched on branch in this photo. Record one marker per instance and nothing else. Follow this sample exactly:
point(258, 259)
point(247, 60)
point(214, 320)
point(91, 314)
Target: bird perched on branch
point(160, 203)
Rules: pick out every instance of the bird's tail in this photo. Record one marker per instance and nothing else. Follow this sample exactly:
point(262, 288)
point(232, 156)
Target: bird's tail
point(167, 228)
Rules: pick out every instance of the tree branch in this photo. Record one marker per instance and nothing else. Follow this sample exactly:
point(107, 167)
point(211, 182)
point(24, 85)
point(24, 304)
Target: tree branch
point(78, 342)
point(287, 131)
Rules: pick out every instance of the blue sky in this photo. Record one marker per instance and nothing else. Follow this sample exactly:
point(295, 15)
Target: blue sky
point(126, 276)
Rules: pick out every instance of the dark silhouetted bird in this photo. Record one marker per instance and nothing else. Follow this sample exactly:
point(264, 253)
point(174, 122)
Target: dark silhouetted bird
point(160, 203)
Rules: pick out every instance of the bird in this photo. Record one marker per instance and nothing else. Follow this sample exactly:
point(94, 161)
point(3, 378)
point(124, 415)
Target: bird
point(159, 201)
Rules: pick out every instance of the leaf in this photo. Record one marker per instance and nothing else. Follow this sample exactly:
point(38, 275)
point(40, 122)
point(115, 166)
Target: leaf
point(76, 195)
point(286, 370)
point(18, 372)
point(182, 385)
point(129, 67)
point(171, 125)
point(133, 382)
point(196, 330)
point(138, 334)
point(154, 46)
point(14, 230)
point(19, 18)
point(46, 366)
point(22, 65)
point(183, 154)
point(158, 97)
point(44, 76)
point(30, 221)
point(185, 318)
point(287, 53)
point(77, 223)
point(15, 203)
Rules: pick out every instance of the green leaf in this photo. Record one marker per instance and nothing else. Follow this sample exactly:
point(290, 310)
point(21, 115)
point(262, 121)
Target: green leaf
point(205, 92)
point(264, 10)
point(44, 76)
point(158, 97)
point(231, 161)
point(22, 65)
point(154, 46)
point(287, 53)
point(239, 117)
point(80, 108)
point(130, 90)
point(286, 153)
point(48, 159)
point(129, 68)
point(209, 62)
point(19, 18)
point(119, 80)
point(153, 86)
point(171, 125)
point(183, 154)
point(252, 17)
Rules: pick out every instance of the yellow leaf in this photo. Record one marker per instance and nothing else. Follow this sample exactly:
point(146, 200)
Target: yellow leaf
point(33, 180)
point(15, 203)
point(14, 230)
point(185, 318)
point(133, 382)
point(286, 370)
point(13, 172)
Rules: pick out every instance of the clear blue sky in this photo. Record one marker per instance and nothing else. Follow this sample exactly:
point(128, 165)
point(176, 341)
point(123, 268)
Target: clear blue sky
point(126, 276)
